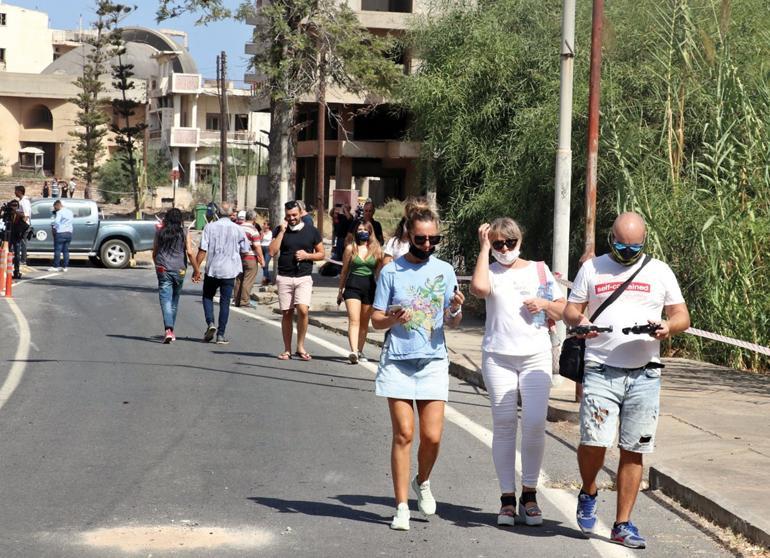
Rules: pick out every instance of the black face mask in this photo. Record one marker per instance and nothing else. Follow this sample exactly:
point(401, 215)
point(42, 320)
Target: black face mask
point(419, 253)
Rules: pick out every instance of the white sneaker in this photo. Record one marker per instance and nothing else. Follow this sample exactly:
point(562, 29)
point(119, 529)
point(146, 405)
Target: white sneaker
point(54, 269)
point(426, 503)
point(353, 358)
point(401, 519)
point(64, 269)
point(362, 357)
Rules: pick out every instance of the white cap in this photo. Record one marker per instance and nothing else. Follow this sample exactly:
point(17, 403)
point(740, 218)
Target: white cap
point(241, 214)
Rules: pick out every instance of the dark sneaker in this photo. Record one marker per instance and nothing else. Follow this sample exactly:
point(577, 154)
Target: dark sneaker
point(222, 340)
point(210, 332)
point(628, 535)
point(586, 512)
point(169, 337)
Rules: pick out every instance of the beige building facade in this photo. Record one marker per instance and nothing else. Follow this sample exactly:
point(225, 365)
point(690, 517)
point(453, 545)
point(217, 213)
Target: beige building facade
point(364, 152)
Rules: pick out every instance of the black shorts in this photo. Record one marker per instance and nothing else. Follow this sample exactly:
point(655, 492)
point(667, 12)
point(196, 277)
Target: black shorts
point(360, 288)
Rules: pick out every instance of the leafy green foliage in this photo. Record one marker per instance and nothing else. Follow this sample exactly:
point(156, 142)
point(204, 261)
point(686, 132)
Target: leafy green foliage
point(685, 139)
point(114, 180)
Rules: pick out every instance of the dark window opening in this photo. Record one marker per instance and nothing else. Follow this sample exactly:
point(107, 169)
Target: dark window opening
point(38, 118)
point(401, 6)
point(309, 120)
point(383, 123)
point(2, 55)
point(212, 121)
point(241, 122)
point(3, 19)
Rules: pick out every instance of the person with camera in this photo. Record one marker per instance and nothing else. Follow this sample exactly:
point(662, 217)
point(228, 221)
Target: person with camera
point(221, 245)
point(63, 226)
point(621, 382)
point(14, 230)
point(297, 245)
point(522, 300)
point(416, 298)
point(342, 219)
point(361, 264)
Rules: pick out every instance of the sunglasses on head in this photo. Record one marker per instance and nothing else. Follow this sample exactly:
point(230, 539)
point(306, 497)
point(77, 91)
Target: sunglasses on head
point(290, 204)
point(509, 243)
point(620, 246)
point(422, 238)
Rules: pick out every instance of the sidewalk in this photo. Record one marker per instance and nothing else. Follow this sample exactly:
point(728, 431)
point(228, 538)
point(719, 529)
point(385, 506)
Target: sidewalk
point(713, 451)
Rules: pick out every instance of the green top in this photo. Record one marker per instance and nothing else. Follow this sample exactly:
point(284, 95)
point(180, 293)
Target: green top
point(362, 268)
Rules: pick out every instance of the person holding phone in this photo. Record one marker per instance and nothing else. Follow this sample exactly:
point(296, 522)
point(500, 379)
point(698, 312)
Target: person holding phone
point(522, 299)
point(297, 245)
point(416, 298)
point(361, 263)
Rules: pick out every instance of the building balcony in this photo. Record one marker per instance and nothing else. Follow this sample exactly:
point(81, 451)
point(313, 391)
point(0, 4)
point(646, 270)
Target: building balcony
point(385, 149)
point(186, 83)
point(183, 137)
point(210, 138)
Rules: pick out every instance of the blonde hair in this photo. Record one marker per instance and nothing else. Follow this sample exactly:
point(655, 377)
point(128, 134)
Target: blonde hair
point(505, 227)
point(420, 213)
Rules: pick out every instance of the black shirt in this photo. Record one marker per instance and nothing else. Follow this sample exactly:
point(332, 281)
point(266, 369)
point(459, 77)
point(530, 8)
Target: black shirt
point(375, 225)
point(341, 225)
point(305, 239)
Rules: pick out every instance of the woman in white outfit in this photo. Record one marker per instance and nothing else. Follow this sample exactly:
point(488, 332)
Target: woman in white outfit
point(522, 299)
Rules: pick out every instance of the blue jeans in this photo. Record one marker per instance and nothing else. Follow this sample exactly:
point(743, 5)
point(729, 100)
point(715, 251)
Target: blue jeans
point(630, 396)
point(169, 288)
point(17, 250)
point(266, 267)
point(61, 247)
point(210, 286)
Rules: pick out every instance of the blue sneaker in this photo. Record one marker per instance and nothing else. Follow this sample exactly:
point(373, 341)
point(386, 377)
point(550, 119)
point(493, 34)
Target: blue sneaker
point(586, 512)
point(628, 535)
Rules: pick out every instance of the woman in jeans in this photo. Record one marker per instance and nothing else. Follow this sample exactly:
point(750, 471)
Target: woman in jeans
point(522, 299)
point(416, 297)
point(171, 252)
point(361, 263)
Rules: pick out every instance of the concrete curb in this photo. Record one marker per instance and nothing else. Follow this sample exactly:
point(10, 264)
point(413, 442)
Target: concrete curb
point(708, 503)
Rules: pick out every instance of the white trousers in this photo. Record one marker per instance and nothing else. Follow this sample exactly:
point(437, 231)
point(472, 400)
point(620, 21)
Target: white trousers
point(505, 376)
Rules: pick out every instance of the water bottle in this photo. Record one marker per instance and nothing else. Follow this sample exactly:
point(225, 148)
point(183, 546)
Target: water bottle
point(543, 291)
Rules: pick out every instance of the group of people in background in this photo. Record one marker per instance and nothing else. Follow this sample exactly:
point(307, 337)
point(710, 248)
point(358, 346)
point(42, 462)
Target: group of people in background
point(403, 288)
point(59, 188)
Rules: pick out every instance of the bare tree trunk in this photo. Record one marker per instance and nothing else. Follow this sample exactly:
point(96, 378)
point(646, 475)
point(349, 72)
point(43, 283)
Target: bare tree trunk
point(281, 158)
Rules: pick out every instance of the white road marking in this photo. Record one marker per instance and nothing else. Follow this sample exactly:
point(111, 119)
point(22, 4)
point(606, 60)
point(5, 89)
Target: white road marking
point(559, 499)
point(36, 278)
point(20, 359)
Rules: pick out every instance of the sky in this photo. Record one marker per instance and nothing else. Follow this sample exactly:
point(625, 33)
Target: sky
point(205, 42)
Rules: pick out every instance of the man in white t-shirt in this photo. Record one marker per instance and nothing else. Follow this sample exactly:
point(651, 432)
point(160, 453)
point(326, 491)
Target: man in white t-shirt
point(26, 208)
point(622, 371)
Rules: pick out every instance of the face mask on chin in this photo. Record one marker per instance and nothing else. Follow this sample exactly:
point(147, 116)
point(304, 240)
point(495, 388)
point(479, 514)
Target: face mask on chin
point(419, 253)
point(507, 258)
point(298, 227)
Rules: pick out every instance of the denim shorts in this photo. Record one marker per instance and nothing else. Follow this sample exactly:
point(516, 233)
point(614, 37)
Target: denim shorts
point(630, 396)
point(412, 379)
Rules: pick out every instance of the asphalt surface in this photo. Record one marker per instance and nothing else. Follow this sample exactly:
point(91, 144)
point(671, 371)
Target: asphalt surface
point(114, 444)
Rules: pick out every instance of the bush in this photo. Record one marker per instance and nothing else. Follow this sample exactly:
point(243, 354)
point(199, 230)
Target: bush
point(114, 180)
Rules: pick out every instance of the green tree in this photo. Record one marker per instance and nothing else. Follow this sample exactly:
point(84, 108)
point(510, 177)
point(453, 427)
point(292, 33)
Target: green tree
point(127, 129)
point(303, 41)
point(91, 120)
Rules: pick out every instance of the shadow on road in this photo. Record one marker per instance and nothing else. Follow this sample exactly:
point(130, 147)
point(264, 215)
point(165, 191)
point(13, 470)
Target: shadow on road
point(320, 509)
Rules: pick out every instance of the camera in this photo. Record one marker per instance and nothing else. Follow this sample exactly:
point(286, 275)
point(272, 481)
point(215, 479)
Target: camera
point(360, 212)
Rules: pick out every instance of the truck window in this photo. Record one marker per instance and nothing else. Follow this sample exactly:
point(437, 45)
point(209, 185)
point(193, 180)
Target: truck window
point(82, 211)
point(42, 210)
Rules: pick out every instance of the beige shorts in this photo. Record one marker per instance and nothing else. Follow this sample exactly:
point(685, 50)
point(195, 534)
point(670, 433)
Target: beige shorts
point(293, 291)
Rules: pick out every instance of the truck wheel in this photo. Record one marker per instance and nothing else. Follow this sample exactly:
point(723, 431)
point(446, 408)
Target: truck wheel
point(115, 254)
point(95, 261)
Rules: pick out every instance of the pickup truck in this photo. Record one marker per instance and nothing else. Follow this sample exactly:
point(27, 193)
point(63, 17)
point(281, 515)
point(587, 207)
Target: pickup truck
point(105, 242)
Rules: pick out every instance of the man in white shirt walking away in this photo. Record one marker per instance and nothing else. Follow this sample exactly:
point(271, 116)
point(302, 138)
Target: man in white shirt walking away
point(26, 208)
point(621, 386)
point(221, 245)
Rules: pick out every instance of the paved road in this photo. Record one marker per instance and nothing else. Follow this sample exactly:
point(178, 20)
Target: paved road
point(116, 445)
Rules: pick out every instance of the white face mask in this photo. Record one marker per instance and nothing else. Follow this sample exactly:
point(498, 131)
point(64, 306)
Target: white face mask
point(508, 258)
point(297, 227)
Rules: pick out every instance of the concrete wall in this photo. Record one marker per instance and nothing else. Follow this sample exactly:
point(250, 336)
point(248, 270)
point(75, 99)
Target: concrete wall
point(27, 40)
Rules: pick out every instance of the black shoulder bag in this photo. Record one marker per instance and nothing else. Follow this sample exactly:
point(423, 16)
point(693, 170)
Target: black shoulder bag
point(572, 358)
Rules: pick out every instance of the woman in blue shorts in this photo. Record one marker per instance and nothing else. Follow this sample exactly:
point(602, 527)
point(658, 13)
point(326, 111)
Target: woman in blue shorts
point(416, 297)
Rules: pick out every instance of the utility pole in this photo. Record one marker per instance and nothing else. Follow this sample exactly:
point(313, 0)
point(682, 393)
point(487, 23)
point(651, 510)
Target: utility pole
point(594, 94)
point(563, 182)
point(223, 122)
point(321, 174)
